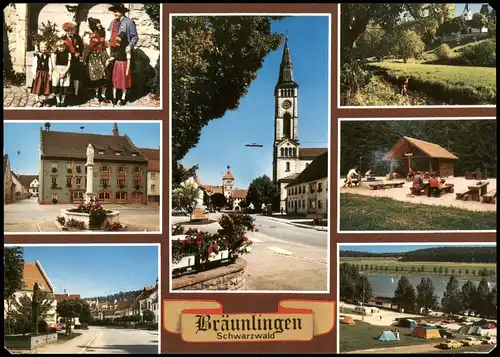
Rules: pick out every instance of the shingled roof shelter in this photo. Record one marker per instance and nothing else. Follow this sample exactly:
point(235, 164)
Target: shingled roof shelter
point(420, 155)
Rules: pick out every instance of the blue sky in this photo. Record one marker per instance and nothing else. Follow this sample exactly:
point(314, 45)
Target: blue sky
point(96, 270)
point(459, 8)
point(399, 248)
point(223, 140)
point(25, 137)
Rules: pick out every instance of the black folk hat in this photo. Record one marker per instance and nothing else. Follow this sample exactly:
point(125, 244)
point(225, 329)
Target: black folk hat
point(118, 8)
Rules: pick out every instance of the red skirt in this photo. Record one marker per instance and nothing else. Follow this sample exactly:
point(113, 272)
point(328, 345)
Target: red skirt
point(120, 80)
point(41, 83)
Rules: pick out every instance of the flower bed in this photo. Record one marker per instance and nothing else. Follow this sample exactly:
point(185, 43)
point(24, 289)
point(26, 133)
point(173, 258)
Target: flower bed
point(194, 250)
point(92, 215)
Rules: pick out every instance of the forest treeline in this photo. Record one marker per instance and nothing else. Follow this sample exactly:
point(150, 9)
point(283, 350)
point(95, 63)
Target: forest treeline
point(474, 142)
point(440, 254)
point(121, 296)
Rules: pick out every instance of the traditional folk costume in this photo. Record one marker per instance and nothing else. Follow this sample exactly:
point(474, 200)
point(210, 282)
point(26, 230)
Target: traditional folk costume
point(95, 57)
point(122, 58)
point(75, 45)
point(41, 77)
point(61, 65)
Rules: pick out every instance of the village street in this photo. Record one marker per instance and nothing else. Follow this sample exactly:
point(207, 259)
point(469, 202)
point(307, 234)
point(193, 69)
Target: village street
point(28, 216)
point(283, 257)
point(106, 340)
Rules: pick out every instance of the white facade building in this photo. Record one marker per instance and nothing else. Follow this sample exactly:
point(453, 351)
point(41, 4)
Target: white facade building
point(289, 159)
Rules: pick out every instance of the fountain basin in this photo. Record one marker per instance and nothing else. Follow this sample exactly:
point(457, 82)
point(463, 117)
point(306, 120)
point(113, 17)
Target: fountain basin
point(111, 217)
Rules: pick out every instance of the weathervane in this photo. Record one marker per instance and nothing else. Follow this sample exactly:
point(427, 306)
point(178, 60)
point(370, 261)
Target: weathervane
point(228, 167)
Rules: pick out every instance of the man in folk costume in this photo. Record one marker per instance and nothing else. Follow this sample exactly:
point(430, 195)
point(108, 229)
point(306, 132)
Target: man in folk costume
point(74, 43)
point(122, 23)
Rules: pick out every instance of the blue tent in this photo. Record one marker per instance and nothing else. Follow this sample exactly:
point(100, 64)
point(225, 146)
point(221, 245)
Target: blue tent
point(387, 336)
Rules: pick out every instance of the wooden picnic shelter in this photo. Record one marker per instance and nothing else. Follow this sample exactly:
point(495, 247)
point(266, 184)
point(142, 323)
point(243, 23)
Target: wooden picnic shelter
point(421, 156)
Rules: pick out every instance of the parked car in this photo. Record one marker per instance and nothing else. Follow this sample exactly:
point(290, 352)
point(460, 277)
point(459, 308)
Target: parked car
point(54, 328)
point(489, 340)
point(471, 341)
point(179, 212)
point(450, 344)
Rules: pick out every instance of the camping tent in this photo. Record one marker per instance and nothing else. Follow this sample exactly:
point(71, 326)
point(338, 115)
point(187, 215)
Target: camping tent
point(482, 331)
point(349, 321)
point(387, 336)
point(426, 332)
point(408, 323)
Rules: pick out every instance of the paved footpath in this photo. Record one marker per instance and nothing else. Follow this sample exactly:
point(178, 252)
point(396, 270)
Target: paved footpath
point(20, 97)
point(103, 340)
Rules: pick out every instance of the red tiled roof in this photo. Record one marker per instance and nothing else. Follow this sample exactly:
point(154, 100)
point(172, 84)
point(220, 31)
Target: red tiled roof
point(153, 157)
point(239, 193)
point(62, 297)
point(33, 273)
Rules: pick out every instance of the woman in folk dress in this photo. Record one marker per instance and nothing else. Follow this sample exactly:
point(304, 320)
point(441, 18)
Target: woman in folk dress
point(95, 57)
point(60, 66)
point(122, 76)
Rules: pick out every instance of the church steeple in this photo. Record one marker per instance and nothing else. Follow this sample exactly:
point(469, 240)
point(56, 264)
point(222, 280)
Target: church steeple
point(115, 130)
point(286, 68)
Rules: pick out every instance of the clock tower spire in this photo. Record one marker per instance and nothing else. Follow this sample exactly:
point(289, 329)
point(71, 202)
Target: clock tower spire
point(286, 141)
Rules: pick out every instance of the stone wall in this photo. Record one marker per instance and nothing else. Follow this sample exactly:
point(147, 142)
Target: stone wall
point(229, 277)
point(29, 342)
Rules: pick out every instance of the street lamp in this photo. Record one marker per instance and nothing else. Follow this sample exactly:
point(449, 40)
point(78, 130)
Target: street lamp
point(360, 171)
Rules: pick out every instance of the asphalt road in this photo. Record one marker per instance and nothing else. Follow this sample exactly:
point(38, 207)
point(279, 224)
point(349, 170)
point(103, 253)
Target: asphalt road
point(103, 340)
point(24, 215)
point(284, 257)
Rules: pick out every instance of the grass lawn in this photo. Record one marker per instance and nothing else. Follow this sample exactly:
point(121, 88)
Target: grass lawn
point(364, 213)
point(451, 84)
point(392, 263)
point(363, 336)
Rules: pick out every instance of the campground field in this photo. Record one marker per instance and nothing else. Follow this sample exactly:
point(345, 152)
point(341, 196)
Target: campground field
point(364, 336)
point(392, 263)
point(365, 213)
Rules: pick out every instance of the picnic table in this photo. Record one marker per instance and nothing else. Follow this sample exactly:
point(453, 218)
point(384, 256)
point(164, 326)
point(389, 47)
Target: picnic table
point(478, 190)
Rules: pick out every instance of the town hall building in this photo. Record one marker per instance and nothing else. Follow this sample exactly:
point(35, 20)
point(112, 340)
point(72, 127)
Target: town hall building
point(289, 158)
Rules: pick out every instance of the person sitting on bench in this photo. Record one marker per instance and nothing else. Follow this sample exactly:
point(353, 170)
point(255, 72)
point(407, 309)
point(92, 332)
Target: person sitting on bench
point(434, 185)
point(352, 174)
point(418, 184)
point(411, 174)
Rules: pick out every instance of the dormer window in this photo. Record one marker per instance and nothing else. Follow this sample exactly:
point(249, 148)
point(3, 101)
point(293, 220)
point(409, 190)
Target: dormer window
point(100, 152)
point(117, 153)
point(134, 154)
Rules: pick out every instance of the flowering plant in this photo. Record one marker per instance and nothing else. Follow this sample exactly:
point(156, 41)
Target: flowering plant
point(95, 210)
point(61, 220)
point(75, 223)
point(230, 237)
point(116, 226)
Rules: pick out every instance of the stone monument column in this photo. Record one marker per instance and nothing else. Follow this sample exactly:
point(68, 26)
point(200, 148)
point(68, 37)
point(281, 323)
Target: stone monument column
point(90, 195)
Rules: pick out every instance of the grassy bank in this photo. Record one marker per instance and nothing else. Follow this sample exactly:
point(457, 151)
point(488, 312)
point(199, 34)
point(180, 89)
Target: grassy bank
point(405, 267)
point(363, 336)
point(365, 213)
point(450, 84)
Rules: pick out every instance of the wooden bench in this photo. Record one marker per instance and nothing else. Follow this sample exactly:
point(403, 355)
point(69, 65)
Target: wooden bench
point(376, 186)
point(490, 196)
point(442, 189)
point(463, 195)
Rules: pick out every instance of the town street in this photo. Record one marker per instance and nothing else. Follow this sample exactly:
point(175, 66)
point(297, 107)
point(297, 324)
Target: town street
point(28, 216)
point(106, 340)
point(283, 257)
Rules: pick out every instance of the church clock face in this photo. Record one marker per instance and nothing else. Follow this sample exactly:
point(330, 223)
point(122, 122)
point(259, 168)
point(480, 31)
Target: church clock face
point(286, 104)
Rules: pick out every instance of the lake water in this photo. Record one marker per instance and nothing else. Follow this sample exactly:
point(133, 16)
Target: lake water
point(385, 285)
